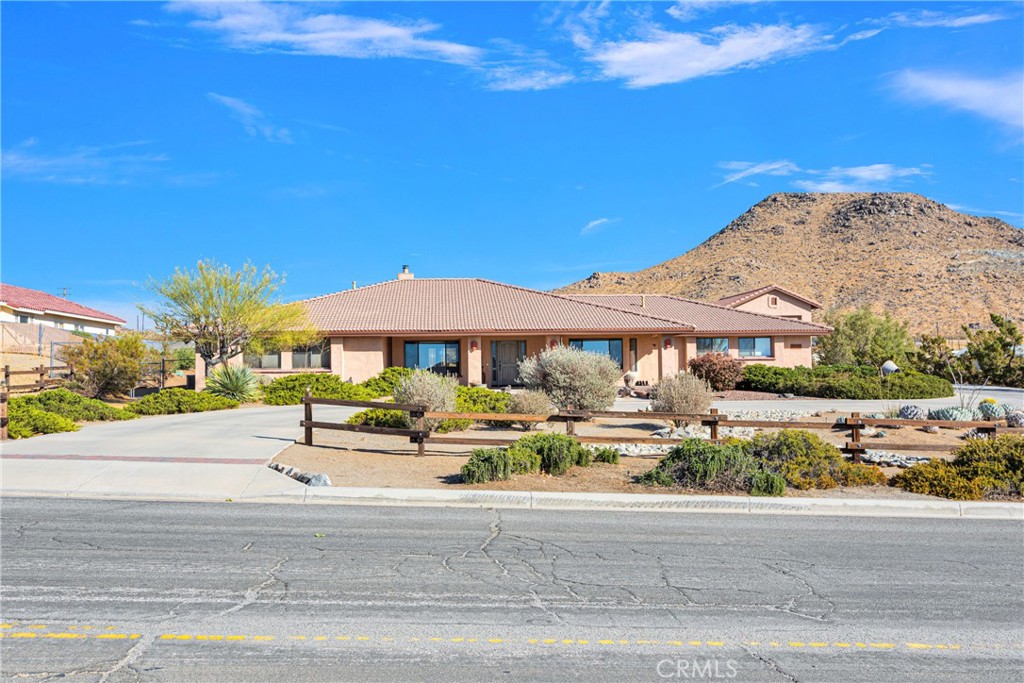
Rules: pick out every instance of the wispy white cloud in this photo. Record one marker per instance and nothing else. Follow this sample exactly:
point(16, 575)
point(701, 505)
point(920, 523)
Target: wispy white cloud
point(835, 179)
point(661, 57)
point(262, 27)
point(252, 119)
point(82, 165)
point(999, 99)
point(596, 224)
point(738, 170)
point(933, 19)
point(516, 67)
point(688, 10)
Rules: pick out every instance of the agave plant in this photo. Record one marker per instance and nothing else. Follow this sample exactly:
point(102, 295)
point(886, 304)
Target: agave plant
point(952, 413)
point(1015, 419)
point(911, 412)
point(991, 411)
point(235, 382)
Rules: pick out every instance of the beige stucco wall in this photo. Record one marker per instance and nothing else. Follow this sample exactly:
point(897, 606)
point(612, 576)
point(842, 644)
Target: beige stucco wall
point(787, 306)
point(789, 351)
point(358, 358)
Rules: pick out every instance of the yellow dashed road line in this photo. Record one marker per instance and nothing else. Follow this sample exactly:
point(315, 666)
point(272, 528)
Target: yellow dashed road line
point(79, 633)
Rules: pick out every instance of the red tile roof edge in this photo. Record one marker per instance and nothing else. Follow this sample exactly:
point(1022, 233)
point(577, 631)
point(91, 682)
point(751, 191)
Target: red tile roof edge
point(36, 300)
point(743, 297)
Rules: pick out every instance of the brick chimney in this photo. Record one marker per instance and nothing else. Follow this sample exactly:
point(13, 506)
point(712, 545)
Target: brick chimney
point(405, 274)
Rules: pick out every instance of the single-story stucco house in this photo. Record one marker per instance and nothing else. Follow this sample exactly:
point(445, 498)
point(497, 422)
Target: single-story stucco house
point(478, 330)
point(24, 305)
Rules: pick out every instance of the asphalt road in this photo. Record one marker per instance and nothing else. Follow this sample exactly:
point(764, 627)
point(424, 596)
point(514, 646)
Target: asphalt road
point(148, 591)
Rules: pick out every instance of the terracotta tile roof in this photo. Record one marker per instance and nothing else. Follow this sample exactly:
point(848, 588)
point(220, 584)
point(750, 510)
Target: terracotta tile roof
point(744, 297)
point(705, 317)
point(22, 298)
point(448, 305)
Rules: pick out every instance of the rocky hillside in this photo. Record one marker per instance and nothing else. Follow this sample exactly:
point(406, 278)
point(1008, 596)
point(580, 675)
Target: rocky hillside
point(920, 260)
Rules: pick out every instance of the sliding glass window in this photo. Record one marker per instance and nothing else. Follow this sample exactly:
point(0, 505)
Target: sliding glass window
point(315, 356)
point(712, 345)
point(440, 357)
point(605, 347)
point(755, 347)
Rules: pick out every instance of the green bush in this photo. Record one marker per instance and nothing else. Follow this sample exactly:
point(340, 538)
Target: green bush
point(557, 452)
point(607, 454)
point(108, 366)
point(843, 381)
point(26, 419)
point(719, 370)
point(174, 401)
point(384, 383)
point(764, 483)
point(380, 417)
point(698, 464)
point(288, 391)
point(806, 461)
point(480, 400)
point(74, 406)
point(523, 460)
point(981, 468)
point(238, 383)
point(487, 464)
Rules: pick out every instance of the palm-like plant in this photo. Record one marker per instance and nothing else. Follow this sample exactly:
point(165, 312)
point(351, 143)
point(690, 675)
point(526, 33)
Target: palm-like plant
point(235, 382)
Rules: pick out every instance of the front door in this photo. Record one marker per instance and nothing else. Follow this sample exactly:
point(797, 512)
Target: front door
point(505, 357)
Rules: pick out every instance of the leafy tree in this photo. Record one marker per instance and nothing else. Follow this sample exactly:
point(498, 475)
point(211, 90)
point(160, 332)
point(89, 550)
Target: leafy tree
point(863, 338)
point(992, 354)
point(108, 366)
point(186, 358)
point(225, 312)
point(933, 356)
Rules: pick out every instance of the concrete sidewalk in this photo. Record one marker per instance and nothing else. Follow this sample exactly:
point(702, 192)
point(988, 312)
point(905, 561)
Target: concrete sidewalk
point(208, 456)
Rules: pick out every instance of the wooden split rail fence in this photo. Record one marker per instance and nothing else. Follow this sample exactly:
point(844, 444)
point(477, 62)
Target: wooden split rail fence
point(422, 437)
point(45, 380)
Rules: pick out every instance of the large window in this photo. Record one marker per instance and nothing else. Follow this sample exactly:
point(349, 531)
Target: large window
point(315, 356)
point(265, 361)
point(605, 347)
point(712, 345)
point(440, 357)
point(755, 347)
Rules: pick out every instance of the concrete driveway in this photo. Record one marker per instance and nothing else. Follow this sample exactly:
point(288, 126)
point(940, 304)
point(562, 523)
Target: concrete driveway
point(221, 454)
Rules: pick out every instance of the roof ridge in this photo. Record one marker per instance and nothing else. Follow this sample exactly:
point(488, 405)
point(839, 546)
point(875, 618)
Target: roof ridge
point(735, 310)
point(744, 297)
point(587, 303)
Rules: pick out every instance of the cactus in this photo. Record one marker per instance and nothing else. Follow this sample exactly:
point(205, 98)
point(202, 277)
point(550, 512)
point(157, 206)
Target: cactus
point(953, 414)
point(1015, 418)
point(991, 411)
point(912, 413)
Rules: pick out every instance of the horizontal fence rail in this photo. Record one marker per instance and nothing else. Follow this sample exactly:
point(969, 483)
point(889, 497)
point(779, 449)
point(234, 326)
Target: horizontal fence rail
point(421, 436)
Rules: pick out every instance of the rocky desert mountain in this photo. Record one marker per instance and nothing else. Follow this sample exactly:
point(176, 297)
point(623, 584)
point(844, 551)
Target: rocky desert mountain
point(930, 266)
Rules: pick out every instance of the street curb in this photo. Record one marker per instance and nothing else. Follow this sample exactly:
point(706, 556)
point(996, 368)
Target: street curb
point(631, 502)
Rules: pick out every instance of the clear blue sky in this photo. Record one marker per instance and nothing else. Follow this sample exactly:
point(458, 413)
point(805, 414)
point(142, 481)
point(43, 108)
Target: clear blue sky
point(528, 143)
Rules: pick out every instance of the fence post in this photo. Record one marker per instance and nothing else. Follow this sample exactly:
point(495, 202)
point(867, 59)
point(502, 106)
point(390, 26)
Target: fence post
point(421, 425)
point(7, 377)
point(855, 434)
point(308, 432)
point(3, 413)
point(42, 376)
point(714, 425)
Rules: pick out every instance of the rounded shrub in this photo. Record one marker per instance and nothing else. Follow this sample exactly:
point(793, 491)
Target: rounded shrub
point(557, 452)
point(530, 403)
point(384, 383)
point(74, 406)
point(25, 420)
point(697, 464)
point(380, 417)
point(572, 378)
point(684, 393)
point(175, 401)
point(608, 455)
point(937, 478)
point(767, 484)
point(434, 392)
point(809, 462)
point(721, 371)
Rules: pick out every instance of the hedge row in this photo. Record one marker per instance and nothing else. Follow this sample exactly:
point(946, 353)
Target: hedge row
point(833, 381)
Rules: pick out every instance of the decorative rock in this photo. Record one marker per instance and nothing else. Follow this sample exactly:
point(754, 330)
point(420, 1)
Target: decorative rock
point(930, 429)
point(880, 433)
point(319, 480)
point(868, 431)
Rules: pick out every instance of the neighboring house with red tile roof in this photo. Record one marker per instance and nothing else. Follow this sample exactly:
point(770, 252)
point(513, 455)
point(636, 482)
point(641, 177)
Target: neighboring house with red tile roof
point(23, 305)
point(478, 330)
point(773, 300)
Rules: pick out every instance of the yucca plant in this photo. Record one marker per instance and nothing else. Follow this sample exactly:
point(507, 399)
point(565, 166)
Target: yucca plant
point(235, 382)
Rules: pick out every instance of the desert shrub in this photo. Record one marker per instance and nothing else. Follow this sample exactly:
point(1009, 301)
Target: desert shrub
point(288, 391)
point(697, 464)
point(174, 401)
point(684, 393)
point(487, 464)
point(996, 465)
point(238, 383)
point(808, 462)
point(434, 392)
point(607, 454)
point(720, 370)
point(481, 400)
point(74, 406)
point(108, 366)
point(557, 452)
point(763, 483)
point(572, 378)
point(992, 355)
point(523, 460)
point(384, 383)
point(861, 337)
point(937, 478)
point(25, 420)
point(380, 417)
point(849, 382)
point(530, 403)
